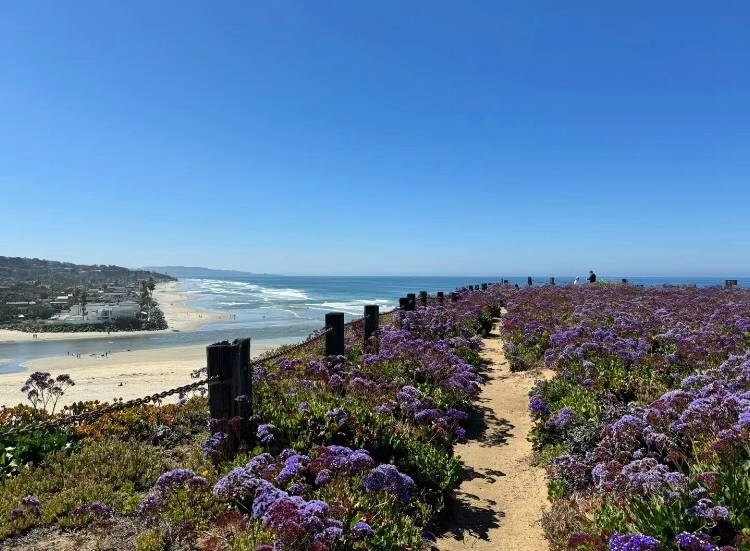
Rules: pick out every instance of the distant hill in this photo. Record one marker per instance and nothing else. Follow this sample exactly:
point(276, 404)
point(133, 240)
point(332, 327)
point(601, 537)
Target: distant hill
point(197, 271)
point(17, 270)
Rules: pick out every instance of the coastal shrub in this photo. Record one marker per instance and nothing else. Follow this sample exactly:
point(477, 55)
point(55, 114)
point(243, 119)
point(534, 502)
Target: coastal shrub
point(349, 452)
point(645, 426)
point(110, 472)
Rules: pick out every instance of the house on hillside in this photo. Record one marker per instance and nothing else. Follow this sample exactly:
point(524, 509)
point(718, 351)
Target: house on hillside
point(97, 312)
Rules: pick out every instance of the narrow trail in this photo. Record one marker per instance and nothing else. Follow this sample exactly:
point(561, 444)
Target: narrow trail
point(499, 504)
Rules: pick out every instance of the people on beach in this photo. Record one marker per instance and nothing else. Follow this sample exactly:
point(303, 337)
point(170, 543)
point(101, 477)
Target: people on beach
point(592, 276)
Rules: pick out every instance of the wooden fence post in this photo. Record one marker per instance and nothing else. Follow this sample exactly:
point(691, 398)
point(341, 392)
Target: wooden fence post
point(230, 395)
point(242, 387)
point(552, 281)
point(440, 297)
point(219, 367)
point(335, 337)
point(529, 281)
point(412, 301)
point(484, 286)
point(454, 297)
point(423, 298)
point(372, 322)
point(403, 303)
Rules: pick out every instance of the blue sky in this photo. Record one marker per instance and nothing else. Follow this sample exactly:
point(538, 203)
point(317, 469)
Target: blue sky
point(378, 138)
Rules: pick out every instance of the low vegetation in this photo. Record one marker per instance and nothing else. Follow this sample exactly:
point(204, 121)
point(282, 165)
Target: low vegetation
point(348, 452)
point(645, 426)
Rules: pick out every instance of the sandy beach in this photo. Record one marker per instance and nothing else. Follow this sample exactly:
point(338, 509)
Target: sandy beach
point(175, 305)
point(120, 375)
point(127, 374)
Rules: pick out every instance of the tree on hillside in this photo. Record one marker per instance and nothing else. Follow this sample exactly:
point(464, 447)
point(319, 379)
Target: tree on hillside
point(145, 295)
point(83, 300)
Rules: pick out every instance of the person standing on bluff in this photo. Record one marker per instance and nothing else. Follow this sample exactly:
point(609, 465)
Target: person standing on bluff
point(592, 276)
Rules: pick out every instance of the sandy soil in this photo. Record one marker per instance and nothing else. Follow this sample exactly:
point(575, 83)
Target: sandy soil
point(120, 375)
point(175, 305)
point(499, 504)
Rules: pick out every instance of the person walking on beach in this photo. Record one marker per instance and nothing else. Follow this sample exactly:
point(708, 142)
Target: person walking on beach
point(592, 276)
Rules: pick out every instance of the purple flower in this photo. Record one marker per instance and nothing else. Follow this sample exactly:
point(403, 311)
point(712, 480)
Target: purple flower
point(215, 445)
point(537, 407)
point(561, 419)
point(700, 541)
point(323, 477)
point(31, 504)
point(633, 542)
point(387, 478)
point(96, 509)
point(265, 432)
point(706, 509)
point(361, 531)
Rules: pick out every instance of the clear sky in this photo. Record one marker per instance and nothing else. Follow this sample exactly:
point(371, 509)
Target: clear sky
point(378, 137)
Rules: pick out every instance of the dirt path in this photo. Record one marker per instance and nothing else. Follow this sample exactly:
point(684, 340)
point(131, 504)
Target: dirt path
point(499, 504)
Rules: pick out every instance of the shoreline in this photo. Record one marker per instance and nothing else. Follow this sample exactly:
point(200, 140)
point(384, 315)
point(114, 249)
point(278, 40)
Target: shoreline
point(126, 375)
point(173, 302)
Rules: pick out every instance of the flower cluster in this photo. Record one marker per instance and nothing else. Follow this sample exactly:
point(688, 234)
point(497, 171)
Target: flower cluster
point(30, 505)
point(271, 486)
point(650, 405)
point(387, 478)
point(44, 391)
point(166, 486)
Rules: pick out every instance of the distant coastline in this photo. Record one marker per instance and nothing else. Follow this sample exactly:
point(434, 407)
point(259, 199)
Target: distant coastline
point(183, 272)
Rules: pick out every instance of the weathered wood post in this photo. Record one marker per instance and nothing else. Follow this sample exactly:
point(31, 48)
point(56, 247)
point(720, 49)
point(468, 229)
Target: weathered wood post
point(412, 300)
point(552, 281)
point(454, 297)
point(624, 281)
point(242, 388)
point(484, 286)
point(218, 369)
point(423, 298)
point(230, 394)
point(335, 337)
point(529, 282)
point(403, 303)
point(440, 297)
point(372, 322)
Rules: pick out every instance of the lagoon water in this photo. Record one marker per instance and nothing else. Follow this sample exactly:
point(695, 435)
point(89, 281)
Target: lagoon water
point(282, 309)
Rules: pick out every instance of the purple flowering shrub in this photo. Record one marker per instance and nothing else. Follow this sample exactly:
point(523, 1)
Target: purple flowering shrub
point(345, 452)
point(44, 391)
point(177, 505)
point(307, 502)
point(646, 423)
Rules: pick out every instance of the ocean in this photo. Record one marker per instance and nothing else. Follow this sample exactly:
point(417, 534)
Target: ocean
point(283, 309)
